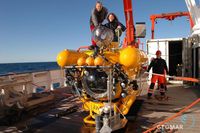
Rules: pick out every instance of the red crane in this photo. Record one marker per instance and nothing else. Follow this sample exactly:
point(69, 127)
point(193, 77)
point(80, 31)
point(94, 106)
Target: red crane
point(170, 17)
point(130, 30)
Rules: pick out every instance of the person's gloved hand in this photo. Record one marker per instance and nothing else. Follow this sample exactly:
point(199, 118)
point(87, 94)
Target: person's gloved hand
point(119, 27)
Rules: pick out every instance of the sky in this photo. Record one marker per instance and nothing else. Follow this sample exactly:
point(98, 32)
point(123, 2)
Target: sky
point(37, 30)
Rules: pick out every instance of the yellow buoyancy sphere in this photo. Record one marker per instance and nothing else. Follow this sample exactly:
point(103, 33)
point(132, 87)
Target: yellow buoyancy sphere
point(98, 61)
point(81, 61)
point(69, 57)
point(62, 58)
point(90, 61)
point(129, 57)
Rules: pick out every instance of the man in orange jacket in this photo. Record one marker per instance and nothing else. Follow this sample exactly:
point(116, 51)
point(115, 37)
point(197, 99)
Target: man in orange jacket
point(159, 67)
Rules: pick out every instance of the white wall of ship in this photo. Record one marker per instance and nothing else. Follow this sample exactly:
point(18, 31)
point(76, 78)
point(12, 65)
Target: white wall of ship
point(34, 82)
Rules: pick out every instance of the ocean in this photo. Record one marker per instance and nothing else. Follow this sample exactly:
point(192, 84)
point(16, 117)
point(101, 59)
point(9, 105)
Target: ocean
point(8, 68)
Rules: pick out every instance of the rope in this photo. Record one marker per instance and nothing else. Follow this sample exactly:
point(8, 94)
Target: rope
point(172, 117)
point(177, 78)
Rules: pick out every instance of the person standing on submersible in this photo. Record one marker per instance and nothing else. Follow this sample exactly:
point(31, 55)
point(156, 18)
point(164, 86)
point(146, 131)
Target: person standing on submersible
point(99, 14)
point(115, 26)
point(159, 67)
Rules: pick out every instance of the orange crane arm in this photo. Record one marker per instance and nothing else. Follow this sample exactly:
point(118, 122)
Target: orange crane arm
point(170, 17)
point(130, 31)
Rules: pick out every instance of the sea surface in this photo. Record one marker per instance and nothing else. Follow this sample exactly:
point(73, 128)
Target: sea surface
point(9, 68)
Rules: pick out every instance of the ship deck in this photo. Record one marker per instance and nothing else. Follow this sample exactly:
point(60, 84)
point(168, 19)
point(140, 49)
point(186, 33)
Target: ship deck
point(143, 115)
